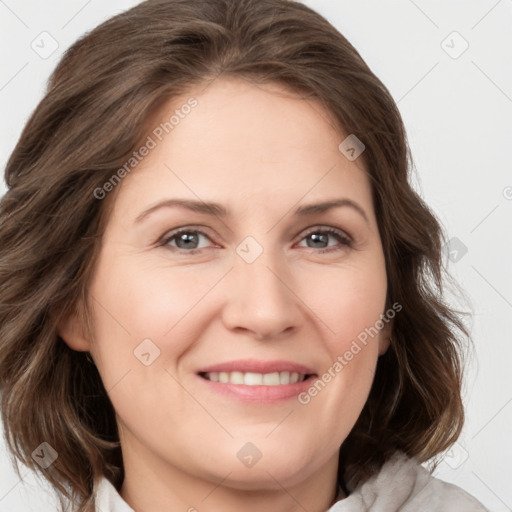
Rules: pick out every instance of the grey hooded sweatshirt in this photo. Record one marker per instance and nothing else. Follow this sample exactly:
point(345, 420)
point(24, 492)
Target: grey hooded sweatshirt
point(402, 485)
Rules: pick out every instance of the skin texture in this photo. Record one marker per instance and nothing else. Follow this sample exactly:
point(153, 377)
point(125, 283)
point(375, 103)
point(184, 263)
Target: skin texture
point(261, 152)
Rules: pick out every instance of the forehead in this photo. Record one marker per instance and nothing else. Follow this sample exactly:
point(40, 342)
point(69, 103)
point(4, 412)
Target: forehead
point(244, 144)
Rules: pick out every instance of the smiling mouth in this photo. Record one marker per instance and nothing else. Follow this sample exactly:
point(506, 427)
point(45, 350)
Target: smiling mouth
point(256, 379)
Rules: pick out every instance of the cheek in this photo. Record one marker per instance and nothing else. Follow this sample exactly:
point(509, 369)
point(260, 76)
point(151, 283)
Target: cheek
point(135, 300)
point(133, 303)
point(350, 306)
point(350, 312)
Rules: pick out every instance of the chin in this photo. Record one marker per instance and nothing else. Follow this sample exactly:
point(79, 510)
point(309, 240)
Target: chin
point(264, 463)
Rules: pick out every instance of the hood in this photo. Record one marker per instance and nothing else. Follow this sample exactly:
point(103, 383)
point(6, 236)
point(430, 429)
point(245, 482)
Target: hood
point(404, 485)
point(401, 485)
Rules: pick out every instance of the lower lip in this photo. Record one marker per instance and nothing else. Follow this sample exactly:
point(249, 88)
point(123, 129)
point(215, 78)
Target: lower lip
point(259, 393)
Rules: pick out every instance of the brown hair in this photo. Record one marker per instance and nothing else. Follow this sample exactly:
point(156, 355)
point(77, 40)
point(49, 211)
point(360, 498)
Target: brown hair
point(91, 119)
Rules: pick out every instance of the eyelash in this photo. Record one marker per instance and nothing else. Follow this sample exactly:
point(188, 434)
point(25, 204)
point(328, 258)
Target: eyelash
point(344, 239)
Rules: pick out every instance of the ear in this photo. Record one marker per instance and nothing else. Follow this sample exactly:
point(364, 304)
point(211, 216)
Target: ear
point(385, 337)
point(71, 331)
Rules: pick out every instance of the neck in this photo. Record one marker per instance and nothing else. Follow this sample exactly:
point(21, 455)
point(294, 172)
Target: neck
point(152, 485)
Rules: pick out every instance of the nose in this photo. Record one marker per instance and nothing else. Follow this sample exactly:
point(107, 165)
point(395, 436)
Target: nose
point(260, 299)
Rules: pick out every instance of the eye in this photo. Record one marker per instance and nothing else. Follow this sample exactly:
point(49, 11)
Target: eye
point(319, 238)
point(186, 240)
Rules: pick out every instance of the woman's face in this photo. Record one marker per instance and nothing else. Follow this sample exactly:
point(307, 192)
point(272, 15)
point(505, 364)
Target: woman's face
point(251, 291)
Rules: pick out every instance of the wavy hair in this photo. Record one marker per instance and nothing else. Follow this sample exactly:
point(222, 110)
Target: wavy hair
point(90, 120)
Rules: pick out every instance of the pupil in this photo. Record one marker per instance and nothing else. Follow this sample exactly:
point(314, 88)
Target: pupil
point(186, 238)
point(322, 238)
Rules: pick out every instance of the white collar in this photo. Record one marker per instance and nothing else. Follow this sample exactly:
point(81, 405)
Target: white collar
point(108, 499)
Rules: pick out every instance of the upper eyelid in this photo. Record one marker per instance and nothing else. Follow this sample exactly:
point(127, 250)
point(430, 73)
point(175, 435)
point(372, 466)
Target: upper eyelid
point(322, 227)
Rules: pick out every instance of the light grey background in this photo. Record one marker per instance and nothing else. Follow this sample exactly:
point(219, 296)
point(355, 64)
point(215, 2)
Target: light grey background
point(457, 108)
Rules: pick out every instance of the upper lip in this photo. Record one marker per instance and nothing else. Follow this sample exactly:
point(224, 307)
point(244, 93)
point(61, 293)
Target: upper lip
point(256, 366)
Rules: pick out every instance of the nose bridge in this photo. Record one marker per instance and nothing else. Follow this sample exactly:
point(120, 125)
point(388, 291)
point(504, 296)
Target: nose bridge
point(259, 296)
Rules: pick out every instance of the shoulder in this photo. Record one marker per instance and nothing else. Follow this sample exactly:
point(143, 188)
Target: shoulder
point(404, 485)
point(107, 499)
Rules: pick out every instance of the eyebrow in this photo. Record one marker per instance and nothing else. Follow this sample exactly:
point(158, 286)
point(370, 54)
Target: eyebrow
point(218, 210)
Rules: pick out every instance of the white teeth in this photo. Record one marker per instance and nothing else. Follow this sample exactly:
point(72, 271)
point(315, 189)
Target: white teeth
point(253, 379)
point(256, 379)
point(236, 378)
point(271, 379)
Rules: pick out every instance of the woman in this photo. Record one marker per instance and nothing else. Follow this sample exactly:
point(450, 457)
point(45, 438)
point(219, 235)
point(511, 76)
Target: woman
point(218, 289)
